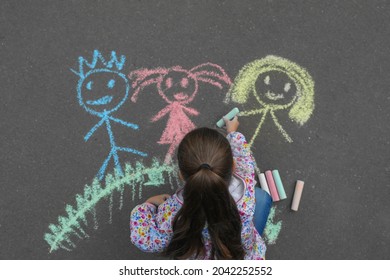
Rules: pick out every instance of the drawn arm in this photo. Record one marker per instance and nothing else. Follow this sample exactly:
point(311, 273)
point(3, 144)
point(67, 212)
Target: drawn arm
point(191, 111)
point(279, 126)
point(128, 124)
point(162, 113)
point(251, 112)
point(93, 129)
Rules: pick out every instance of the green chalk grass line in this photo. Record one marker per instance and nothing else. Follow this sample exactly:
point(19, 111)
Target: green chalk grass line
point(72, 225)
point(272, 228)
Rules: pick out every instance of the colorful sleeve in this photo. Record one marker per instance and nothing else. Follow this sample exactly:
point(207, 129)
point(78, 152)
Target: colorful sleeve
point(242, 155)
point(145, 231)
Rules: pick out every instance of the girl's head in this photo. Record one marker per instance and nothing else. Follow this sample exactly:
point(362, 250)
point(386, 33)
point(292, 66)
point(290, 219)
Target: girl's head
point(206, 165)
point(205, 146)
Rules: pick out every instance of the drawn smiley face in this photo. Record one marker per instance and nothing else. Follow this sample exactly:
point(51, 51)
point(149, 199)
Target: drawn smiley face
point(179, 86)
point(275, 88)
point(103, 91)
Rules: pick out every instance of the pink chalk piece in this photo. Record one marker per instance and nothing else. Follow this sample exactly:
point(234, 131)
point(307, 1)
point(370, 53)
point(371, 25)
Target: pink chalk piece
point(177, 87)
point(272, 186)
point(297, 195)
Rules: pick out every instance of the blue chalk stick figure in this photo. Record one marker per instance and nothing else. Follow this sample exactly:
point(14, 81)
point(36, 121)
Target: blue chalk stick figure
point(101, 91)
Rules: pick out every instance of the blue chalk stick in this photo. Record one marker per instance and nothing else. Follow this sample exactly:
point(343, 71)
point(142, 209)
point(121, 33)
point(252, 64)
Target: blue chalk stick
point(279, 184)
point(229, 116)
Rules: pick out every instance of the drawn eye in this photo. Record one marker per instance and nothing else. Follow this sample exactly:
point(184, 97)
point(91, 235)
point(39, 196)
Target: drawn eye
point(111, 83)
point(184, 82)
point(168, 82)
point(287, 87)
point(89, 85)
point(266, 81)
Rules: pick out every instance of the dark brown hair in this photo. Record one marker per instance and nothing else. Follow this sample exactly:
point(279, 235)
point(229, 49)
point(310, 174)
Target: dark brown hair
point(206, 162)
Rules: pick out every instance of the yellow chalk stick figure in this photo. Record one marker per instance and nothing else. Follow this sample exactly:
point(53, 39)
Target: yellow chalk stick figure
point(262, 78)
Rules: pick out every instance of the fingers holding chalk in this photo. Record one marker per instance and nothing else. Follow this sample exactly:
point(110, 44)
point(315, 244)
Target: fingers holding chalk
point(227, 120)
point(231, 125)
point(228, 116)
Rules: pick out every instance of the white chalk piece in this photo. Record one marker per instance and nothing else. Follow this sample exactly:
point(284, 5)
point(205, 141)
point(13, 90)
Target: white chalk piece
point(229, 116)
point(297, 195)
point(263, 183)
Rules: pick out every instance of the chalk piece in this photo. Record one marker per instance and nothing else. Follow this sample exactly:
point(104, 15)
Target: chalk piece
point(271, 186)
point(279, 184)
point(263, 183)
point(229, 116)
point(297, 195)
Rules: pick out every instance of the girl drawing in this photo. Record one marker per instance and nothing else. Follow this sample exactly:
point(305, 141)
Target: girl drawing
point(276, 84)
point(178, 88)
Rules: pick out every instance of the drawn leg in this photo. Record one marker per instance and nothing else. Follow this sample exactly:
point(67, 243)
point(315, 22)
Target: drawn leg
point(284, 133)
point(102, 170)
point(171, 150)
point(258, 128)
point(116, 162)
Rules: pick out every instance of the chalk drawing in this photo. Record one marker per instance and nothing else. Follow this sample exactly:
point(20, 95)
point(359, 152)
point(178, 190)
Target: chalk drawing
point(134, 178)
point(177, 87)
point(272, 228)
point(262, 79)
point(101, 91)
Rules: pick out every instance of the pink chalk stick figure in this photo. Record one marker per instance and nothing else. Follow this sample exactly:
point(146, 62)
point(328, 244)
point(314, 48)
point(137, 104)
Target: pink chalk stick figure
point(178, 87)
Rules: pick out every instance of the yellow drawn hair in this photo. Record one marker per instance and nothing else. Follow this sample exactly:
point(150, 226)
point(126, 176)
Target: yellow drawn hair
point(245, 81)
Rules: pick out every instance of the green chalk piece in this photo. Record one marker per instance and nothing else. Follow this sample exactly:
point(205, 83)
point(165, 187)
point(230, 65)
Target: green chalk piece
point(229, 116)
point(279, 184)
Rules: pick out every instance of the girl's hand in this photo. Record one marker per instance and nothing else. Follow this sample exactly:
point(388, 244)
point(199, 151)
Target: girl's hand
point(231, 125)
point(158, 199)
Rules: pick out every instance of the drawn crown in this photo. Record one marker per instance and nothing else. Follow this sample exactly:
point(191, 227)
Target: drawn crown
point(99, 62)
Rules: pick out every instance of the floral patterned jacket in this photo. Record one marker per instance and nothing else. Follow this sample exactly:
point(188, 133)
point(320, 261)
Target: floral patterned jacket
point(151, 227)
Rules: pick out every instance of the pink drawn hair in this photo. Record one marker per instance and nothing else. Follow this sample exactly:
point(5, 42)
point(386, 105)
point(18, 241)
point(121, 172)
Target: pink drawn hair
point(207, 72)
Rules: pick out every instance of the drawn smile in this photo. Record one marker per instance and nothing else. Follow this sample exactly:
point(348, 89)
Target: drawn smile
point(273, 96)
point(180, 96)
point(101, 101)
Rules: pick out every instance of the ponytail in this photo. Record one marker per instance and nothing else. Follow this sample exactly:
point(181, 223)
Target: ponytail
point(207, 201)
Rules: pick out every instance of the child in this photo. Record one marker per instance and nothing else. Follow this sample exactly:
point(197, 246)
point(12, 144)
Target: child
point(211, 217)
